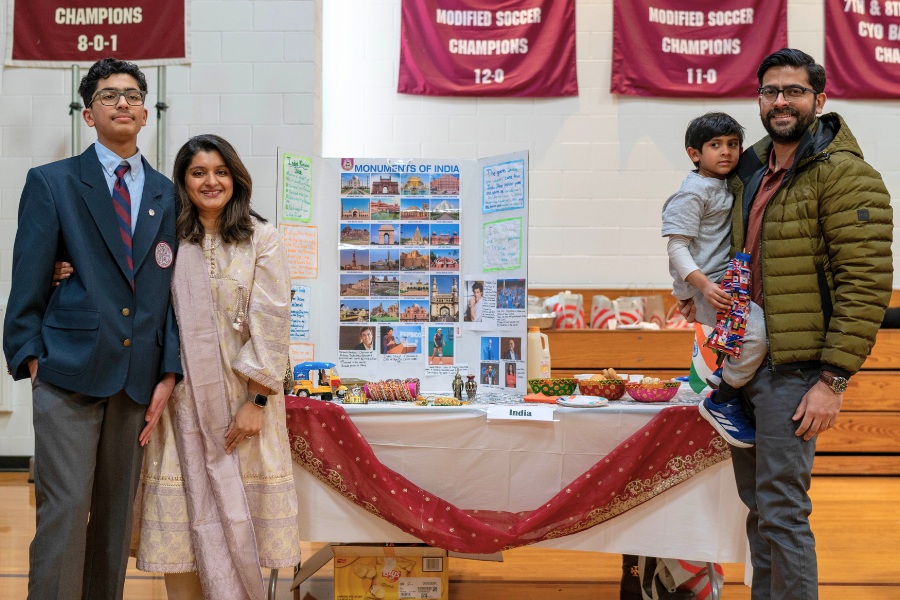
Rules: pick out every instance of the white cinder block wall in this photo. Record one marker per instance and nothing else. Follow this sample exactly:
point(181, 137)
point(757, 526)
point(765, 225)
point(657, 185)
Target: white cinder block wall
point(601, 165)
point(254, 79)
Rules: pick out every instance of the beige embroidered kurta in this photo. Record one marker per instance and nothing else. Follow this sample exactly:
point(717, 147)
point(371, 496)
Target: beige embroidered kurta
point(250, 282)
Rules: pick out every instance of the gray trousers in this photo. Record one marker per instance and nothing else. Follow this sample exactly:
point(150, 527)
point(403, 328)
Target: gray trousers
point(87, 466)
point(773, 480)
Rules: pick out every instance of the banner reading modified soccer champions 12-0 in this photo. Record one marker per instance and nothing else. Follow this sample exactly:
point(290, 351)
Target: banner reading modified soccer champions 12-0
point(690, 49)
point(501, 48)
point(54, 33)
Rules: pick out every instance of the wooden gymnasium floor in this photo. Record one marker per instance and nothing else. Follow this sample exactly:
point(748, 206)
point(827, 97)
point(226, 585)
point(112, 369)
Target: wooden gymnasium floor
point(855, 518)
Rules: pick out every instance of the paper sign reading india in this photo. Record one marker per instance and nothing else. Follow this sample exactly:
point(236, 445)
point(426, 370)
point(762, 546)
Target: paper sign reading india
point(301, 243)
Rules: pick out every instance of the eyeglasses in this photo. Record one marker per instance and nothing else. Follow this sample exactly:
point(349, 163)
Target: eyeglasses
point(769, 93)
point(110, 97)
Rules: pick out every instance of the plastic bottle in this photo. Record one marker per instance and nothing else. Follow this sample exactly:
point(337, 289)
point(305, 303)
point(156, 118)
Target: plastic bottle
point(538, 357)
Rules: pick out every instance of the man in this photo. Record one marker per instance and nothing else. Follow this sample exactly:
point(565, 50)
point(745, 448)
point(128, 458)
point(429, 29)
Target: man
point(101, 348)
point(475, 304)
point(489, 350)
point(817, 221)
point(366, 339)
point(510, 353)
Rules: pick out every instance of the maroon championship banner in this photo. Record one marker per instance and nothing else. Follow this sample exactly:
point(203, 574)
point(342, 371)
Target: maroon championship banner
point(862, 49)
point(54, 33)
point(671, 48)
point(514, 48)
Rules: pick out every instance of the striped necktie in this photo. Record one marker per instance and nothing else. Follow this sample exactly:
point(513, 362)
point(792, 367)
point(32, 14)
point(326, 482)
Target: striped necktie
point(122, 203)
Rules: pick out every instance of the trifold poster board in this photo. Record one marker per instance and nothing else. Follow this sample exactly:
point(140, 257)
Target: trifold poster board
point(409, 268)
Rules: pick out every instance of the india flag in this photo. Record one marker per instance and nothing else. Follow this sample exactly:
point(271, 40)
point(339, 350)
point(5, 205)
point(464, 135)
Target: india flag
point(703, 361)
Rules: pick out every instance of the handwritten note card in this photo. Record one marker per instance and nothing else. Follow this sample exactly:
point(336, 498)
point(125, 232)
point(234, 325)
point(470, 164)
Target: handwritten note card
point(503, 186)
point(503, 245)
point(301, 242)
point(302, 352)
point(300, 296)
point(296, 197)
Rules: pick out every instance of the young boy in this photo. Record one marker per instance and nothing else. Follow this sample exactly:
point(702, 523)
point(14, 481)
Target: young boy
point(697, 221)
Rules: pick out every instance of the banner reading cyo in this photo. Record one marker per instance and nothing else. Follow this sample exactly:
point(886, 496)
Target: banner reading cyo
point(516, 48)
point(53, 33)
point(672, 48)
point(862, 49)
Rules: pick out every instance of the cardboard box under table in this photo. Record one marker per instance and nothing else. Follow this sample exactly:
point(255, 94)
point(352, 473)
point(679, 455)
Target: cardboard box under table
point(377, 571)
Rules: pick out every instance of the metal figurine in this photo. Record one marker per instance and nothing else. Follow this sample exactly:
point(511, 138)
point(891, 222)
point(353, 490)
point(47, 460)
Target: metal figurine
point(457, 386)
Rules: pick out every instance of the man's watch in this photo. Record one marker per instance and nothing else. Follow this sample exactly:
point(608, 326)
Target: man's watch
point(261, 400)
point(836, 383)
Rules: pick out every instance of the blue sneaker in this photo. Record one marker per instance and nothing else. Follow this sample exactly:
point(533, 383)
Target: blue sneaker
point(729, 420)
point(715, 379)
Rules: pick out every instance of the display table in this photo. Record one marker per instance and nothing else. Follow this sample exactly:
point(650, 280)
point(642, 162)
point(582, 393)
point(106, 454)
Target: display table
point(483, 466)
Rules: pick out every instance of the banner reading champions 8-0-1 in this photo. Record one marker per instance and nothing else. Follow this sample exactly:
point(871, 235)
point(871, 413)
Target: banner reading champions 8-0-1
point(498, 48)
point(59, 33)
point(690, 49)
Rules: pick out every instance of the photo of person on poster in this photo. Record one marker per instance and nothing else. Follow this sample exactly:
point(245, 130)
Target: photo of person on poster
point(510, 374)
point(366, 339)
point(490, 348)
point(490, 373)
point(475, 302)
point(440, 345)
point(388, 341)
point(511, 349)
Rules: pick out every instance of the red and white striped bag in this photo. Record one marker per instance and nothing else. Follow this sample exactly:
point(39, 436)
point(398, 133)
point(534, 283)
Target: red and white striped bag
point(629, 310)
point(569, 310)
point(602, 312)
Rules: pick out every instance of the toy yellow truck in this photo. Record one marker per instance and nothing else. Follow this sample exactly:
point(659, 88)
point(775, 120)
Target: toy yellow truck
point(318, 379)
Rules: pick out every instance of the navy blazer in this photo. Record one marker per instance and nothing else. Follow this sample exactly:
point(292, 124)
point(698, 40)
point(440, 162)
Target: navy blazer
point(92, 334)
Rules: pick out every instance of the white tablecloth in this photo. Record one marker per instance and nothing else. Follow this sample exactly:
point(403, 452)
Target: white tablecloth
point(460, 456)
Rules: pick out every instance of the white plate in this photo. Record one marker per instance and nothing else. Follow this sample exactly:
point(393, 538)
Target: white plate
point(582, 401)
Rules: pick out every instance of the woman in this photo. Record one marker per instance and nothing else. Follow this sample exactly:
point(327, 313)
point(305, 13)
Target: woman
point(438, 346)
point(217, 498)
point(510, 375)
point(388, 341)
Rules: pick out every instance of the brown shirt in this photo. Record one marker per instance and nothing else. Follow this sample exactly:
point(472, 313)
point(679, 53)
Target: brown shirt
point(771, 181)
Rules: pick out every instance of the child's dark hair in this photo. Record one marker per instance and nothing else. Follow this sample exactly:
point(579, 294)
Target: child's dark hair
point(709, 126)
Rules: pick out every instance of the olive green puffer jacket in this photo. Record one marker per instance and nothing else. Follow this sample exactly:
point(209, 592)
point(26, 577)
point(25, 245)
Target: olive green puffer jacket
point(827, 269)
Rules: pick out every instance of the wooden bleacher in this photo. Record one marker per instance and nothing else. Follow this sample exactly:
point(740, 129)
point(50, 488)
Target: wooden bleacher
point(865, 439)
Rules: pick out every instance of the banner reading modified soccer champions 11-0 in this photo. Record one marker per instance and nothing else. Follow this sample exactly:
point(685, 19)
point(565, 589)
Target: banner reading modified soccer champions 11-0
point(462, 48)
point(53, 33)
point(690, 49)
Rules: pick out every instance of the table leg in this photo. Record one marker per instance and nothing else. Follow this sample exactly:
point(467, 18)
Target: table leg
point(273, 583)
point(711, 572)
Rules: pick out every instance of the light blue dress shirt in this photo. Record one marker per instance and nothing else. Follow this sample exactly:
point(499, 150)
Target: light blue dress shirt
point(134, 178)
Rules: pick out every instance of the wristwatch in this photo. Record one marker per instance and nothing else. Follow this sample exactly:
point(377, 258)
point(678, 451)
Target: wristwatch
point(836, 383)
point(261, 400)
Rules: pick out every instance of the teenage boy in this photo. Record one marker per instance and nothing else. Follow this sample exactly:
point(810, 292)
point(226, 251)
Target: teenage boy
point(101, 348)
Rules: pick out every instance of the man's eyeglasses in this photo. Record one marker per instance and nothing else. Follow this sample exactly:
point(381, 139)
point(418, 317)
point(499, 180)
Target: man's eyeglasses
point(792, 93)
point(109, 97)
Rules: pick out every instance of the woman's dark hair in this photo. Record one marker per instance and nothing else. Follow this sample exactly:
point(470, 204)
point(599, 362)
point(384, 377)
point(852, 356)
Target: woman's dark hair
point(478, 286)
point(236, 222)
point(791, 57)
point(107, 67)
